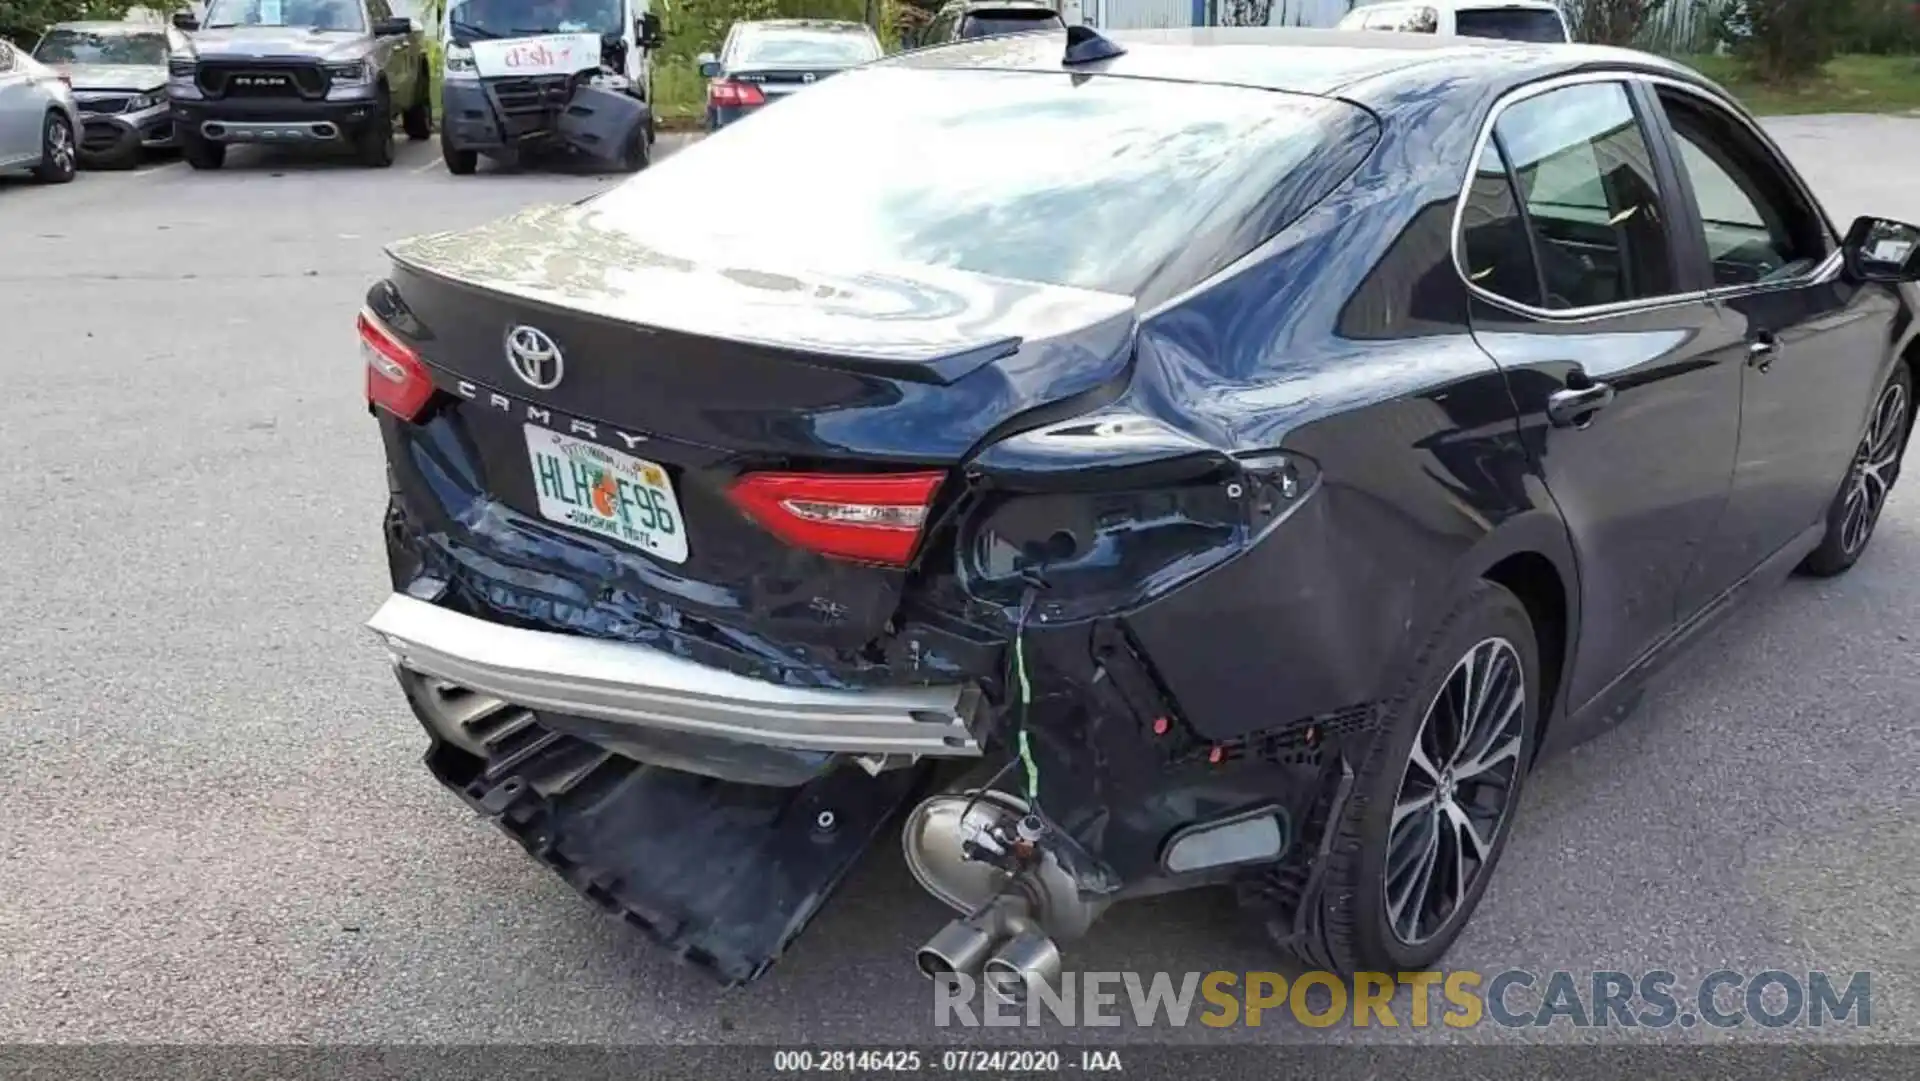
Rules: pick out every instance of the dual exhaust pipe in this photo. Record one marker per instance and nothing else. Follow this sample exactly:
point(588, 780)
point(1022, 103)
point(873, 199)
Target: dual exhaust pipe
point(1009, 964)
point(1006, 933)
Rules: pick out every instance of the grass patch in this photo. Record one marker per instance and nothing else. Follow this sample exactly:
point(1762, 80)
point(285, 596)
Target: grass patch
point(679, 93)
point(1847, 84)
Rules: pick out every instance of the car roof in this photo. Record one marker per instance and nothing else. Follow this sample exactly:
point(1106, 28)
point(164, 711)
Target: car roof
point(1004, 5)
point(1455, 5)
point(1372, 68)
point(830, 25)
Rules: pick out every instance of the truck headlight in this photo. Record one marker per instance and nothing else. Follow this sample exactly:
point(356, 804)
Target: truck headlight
point(459, 64)
point(350, 73)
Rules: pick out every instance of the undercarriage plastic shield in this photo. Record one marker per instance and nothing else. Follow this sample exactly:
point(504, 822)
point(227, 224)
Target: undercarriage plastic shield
point(726, 875)
point(601, 122)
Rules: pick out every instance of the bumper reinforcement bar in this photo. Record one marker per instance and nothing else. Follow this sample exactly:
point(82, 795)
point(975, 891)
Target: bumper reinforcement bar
point(624, 683)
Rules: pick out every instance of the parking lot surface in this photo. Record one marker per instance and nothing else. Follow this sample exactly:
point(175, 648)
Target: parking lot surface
point(216, 826)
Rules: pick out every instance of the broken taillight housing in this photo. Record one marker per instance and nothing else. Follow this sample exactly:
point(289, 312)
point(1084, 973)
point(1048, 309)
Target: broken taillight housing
point(872, 518)
point(397, 380)
point(1110, 510)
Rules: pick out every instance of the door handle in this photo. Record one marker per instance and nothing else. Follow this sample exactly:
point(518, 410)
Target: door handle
point(1761, 351)
point(1575, 407)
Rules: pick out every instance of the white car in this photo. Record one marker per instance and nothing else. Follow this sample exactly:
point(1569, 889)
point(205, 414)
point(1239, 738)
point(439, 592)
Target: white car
point(38, 118)
point(1512, 20)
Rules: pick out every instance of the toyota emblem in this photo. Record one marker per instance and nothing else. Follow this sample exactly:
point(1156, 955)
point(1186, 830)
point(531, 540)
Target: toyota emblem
point(534, 357)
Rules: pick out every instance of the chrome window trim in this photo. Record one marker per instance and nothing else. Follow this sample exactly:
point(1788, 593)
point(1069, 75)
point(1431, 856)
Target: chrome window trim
point(1819, 275)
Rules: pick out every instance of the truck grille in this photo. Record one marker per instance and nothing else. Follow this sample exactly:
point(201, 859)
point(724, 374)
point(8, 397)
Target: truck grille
point(525, 104)
point(263, 81)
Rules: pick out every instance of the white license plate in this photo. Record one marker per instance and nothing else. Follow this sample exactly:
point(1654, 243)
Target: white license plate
point(602, 491)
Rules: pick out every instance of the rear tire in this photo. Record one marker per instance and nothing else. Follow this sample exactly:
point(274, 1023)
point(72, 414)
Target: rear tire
point(417, 121)
point(201, 153)
point(1407, 811)
point(59, 151)
point(374, 145)
point(459, 162)
point(1869, 482)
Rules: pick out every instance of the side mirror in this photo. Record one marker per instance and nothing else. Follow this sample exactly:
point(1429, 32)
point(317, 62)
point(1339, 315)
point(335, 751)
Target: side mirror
point(1881, 250)
point(647, 32)
point(185, 20)
point(709, 66)
point(396, 26)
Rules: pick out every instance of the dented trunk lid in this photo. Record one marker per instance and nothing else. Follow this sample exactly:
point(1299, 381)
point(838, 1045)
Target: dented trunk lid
point(703, 367)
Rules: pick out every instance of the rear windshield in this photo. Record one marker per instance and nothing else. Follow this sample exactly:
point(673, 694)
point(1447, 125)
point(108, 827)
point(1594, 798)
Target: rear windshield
point(986, 24)
point(806, 48)
point(1133, 186)
point(1512, 24)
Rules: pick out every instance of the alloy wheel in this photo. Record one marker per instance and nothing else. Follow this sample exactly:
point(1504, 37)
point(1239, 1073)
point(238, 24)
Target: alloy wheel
point(1872, 477)
point(60, 151)
point(1453, 798)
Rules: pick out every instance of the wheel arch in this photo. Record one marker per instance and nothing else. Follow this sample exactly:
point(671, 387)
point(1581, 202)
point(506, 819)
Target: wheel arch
point(1532, 557)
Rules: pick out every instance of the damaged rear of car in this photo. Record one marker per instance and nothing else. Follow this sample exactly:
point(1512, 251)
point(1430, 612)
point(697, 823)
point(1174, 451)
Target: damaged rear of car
point(718, 541)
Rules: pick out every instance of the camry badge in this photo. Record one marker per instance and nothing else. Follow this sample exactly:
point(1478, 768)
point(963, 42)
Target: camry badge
point(534, 357)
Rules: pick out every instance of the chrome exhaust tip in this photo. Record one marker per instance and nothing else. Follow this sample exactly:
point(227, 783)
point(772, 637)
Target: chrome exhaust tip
point(958, 948)
point(1026, 960)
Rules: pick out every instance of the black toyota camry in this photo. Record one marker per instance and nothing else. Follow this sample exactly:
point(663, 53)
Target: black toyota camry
point(1114, 466)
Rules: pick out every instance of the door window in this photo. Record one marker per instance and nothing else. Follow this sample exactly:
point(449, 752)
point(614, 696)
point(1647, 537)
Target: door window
point(1585, 175)
point(1497, 254)
point(1757, 227)
point(1421, 21)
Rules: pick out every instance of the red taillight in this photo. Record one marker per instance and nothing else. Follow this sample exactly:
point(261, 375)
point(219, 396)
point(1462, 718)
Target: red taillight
point(725, 94)
point(870, 518)
point(396, 379)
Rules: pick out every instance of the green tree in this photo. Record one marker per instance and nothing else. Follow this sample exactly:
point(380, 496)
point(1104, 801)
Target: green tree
point(23, 21)
point(1784, 40)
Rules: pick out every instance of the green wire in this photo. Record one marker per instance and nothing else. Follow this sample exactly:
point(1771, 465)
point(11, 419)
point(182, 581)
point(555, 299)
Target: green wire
point(1026, 699)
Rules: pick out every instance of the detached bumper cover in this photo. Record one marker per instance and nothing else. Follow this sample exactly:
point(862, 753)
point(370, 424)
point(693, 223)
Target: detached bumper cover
point(632, 685)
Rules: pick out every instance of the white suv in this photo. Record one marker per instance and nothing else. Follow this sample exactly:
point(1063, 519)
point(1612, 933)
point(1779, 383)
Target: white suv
point(1515, 20)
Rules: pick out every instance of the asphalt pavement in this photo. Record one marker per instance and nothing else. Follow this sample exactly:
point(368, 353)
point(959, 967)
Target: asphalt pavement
point(213, 821)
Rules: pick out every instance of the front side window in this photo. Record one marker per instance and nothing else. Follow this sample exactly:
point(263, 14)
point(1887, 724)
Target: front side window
point(146, 48)
point(1757, 228)
point(1122, 185)
point(330, 15)
point(1584, 172)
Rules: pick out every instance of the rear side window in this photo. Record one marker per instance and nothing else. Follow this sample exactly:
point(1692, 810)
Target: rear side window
point(1495, 248)
point(1585, 175)
point(1510, 24)
point(989, 23)
point(1132, 186)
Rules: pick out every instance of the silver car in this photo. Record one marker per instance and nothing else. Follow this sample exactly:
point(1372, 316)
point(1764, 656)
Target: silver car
point(38, 118)
point(118, 71)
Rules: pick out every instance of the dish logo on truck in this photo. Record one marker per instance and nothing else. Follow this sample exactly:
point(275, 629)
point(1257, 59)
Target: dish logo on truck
point(560, 54)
